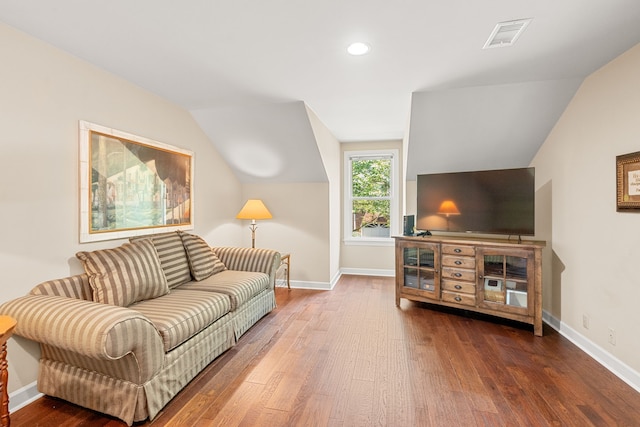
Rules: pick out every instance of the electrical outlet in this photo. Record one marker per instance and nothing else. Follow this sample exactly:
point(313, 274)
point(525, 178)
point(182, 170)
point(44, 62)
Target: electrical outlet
point(612, 336)
point(585, 321)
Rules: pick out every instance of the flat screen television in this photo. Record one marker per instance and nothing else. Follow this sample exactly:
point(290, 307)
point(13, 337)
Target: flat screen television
point(488, 202)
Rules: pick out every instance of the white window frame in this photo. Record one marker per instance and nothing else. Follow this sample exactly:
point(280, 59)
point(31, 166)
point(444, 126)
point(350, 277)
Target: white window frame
point(348, 198)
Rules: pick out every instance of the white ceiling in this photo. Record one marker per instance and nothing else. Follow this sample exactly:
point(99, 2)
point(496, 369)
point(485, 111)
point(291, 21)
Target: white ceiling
point(213, 56)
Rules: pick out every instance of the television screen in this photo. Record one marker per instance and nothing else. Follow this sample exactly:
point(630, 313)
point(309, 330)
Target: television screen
point(492, 202)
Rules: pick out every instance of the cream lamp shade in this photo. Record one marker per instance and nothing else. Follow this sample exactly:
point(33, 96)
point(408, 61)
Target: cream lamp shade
point(254, 209)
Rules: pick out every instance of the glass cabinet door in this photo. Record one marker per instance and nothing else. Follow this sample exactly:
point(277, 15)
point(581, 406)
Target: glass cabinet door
point(504, 280)
point(419, 270)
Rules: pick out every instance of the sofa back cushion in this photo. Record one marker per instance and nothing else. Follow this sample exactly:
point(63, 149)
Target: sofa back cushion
point(172, 255)
point(202, 260)
point(126, 274)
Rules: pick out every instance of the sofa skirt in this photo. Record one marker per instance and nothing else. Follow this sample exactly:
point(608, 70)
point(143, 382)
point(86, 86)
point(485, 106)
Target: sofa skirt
point(253, 310)
point(127, 400)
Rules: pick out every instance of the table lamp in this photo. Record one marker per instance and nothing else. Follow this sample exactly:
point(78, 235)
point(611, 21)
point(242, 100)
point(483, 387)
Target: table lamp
point(254, 209)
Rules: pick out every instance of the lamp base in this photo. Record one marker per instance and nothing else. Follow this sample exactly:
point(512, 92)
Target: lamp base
point(253, 228)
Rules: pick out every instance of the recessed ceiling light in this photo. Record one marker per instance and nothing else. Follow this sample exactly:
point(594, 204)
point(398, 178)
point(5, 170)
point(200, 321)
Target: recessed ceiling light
point(358, 48)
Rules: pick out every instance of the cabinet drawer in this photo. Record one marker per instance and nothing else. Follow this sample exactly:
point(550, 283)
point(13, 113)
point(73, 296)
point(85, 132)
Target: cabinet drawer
point(458, 298)
point(459, 274)
point(459, 250)
point(462, 287)
point(458, 261)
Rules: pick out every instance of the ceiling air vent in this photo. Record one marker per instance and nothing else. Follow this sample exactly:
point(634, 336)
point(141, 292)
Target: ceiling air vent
point(506, 33)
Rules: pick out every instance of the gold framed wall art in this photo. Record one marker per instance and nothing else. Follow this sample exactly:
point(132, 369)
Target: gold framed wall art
point(628, 182)
point(131, 185)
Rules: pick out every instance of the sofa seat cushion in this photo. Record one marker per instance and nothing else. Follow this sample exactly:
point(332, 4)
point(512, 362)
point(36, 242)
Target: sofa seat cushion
point(182, 313)
point(240, 286)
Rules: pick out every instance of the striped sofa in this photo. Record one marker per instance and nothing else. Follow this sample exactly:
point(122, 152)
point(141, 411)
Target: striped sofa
point(128, 350)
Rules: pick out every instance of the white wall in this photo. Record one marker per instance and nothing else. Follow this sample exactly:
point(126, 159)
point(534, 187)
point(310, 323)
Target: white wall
point(595, 250)
point(44, 94)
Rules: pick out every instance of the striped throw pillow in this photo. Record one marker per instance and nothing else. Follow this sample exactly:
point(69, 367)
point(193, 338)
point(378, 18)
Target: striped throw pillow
point(173, 258)
point(202, 260)
point(126, 274)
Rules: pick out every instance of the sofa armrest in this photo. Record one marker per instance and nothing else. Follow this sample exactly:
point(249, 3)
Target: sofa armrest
point(88, 328)
point(250, 259)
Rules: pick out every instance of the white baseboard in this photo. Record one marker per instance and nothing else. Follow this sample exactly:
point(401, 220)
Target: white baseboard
point(23, 396)
point(319, 286)
point(600, 355)
point(335, 278)
point(368, 272)
point(301, 284)
point(327, 286)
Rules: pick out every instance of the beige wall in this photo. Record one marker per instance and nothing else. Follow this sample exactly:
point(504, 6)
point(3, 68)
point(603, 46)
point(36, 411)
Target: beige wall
point(44, 94)
point(329, 148)
point(411, 191)
point(300, 226)
point(305, 217)
point(595, 250)
point(379, 258)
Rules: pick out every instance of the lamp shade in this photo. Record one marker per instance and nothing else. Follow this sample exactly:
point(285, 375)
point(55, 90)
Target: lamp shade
point(448, 207)
point(254, 209)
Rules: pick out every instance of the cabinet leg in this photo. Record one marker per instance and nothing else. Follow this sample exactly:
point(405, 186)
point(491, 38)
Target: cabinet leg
point(537, 329)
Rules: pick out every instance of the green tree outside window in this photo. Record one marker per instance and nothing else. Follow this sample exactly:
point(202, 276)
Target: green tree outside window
point(371, 193)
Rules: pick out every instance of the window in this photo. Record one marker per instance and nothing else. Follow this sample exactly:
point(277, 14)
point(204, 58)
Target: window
point(371, 204)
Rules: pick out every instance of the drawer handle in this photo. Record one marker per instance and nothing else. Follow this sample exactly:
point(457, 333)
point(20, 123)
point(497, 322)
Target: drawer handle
point(458, 262)
point(457, 250)
point(457, 298)
point(457, 274)
point(458, 287)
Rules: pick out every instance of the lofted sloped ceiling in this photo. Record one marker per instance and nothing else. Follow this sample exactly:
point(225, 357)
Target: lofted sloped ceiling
point(266, 143)
point(236, 57)
point(483, 127)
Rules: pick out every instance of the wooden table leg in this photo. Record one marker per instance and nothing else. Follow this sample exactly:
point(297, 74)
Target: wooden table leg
point(6, 329)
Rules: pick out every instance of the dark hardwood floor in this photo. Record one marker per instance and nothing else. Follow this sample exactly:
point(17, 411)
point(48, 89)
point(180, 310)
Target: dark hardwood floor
point(349, 357)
